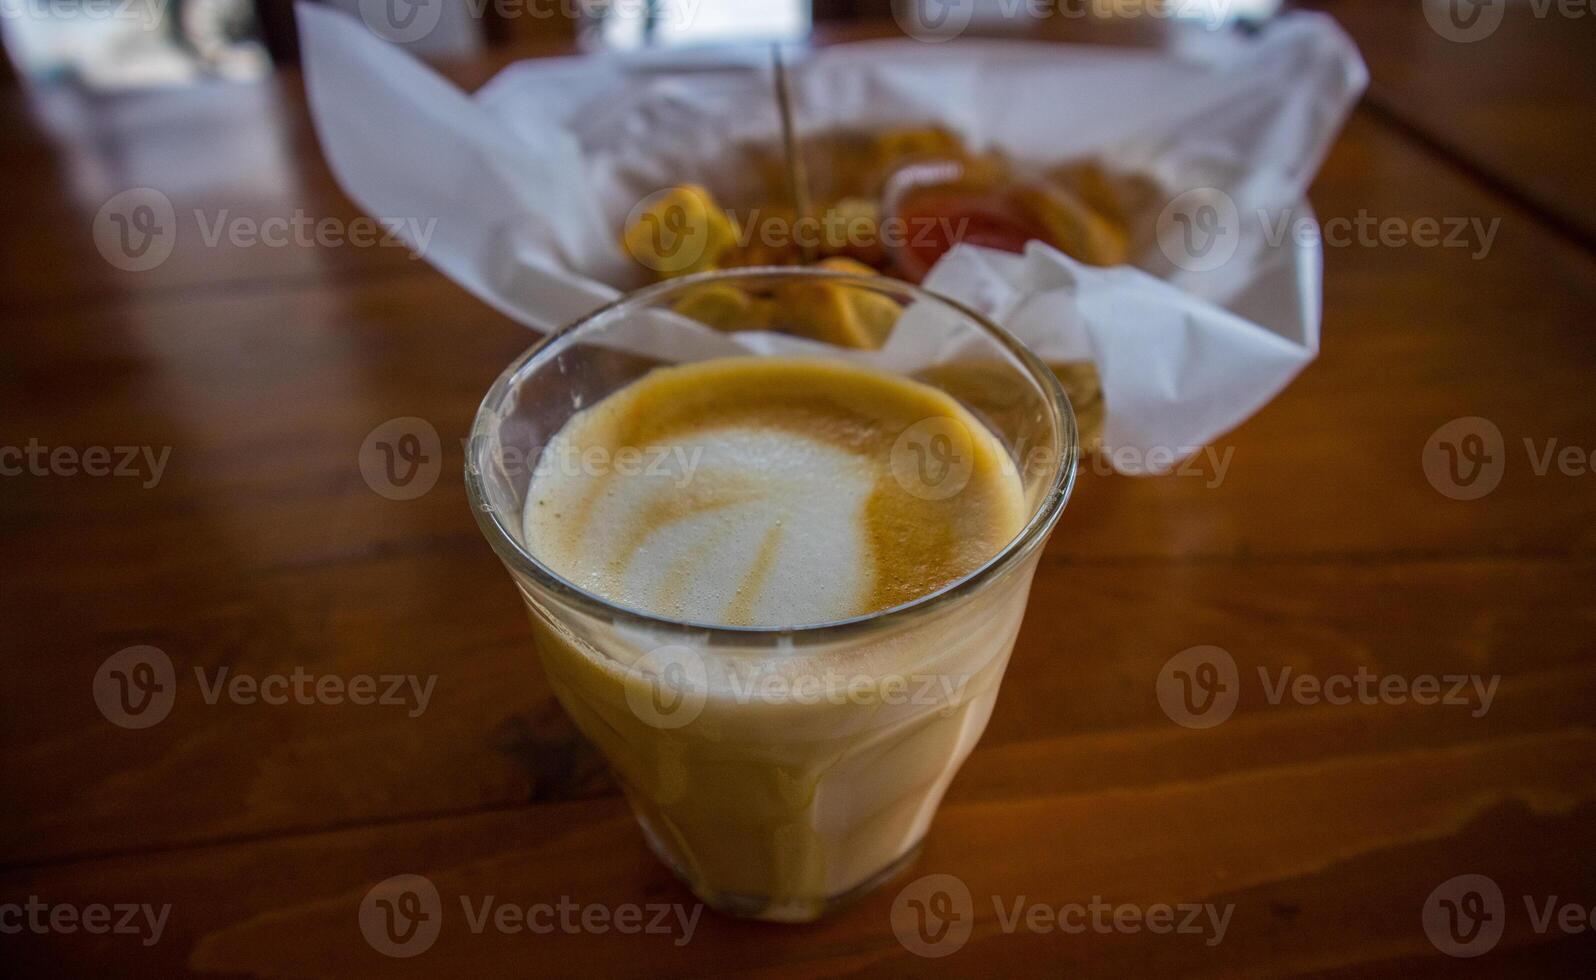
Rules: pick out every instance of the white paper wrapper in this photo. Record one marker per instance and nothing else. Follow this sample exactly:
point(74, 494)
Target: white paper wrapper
point(531, 178)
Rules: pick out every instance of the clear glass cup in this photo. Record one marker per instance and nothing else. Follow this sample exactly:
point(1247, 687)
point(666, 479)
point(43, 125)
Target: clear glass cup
point(782, 771)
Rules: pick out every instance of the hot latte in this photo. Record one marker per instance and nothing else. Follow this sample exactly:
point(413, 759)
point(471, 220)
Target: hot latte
point(777, 772)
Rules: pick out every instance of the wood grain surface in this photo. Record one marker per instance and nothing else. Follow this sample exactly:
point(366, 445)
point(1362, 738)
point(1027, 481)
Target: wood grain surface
point(1308, 541)
point(1502, 87)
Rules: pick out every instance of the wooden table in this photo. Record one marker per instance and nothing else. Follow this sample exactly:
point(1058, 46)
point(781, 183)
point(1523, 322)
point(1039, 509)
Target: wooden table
point(1324, 828)
point(1504, 95)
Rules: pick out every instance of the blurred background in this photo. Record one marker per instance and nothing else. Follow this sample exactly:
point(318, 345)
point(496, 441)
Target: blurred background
point(132, 44)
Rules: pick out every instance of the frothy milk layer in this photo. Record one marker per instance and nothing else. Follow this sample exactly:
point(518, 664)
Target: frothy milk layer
point(771, 492)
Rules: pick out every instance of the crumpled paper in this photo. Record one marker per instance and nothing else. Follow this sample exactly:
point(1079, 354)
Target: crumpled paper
point(531, 178)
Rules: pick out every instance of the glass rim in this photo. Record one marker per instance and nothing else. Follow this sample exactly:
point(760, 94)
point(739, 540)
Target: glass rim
point(509, 548)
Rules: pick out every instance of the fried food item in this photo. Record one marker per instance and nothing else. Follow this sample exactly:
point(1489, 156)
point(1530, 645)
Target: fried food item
point(853, 266)
point(728, 308)
point(719, 305)
point(846, 316)
point(853, 163)
point(1095, 216)
point(681, 231)
point(769, 240)
point(864, 179)
point(1131, 201)
point(851, 228)
point(896, 146)
point(1089, 425)
point(846, 228)
point(1119, 197)
point(1085, 388)
point(1074, 227)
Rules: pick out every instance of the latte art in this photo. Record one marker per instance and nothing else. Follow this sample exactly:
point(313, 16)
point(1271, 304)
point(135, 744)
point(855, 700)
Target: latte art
point(780, 492)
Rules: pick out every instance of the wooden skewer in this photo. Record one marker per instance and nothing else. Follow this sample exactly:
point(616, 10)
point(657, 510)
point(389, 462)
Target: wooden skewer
point(797, 177)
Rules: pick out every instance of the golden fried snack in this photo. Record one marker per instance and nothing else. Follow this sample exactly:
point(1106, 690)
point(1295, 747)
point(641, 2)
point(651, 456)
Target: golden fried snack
point(1074, 227)
point(1085, 388)
point(719, 305)
point(1119, 197)
point(876, 314)
point(769, 240)
point(727, 307)
point(1079, 207)
point(898, 146)
point(837, 314)
point(853, 163)
point(851, 228)
point(841, 164)
point(1089, 425)
point(681, 231)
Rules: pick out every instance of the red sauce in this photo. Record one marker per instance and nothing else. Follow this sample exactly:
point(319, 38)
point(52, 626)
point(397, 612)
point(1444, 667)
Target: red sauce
point(936, 219)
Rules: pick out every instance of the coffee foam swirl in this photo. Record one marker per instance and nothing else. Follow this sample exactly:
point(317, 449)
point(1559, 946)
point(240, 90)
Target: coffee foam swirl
point(772, 493)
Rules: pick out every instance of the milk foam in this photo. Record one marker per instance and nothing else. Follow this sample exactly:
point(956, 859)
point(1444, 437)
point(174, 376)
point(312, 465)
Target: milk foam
point(759, 491)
